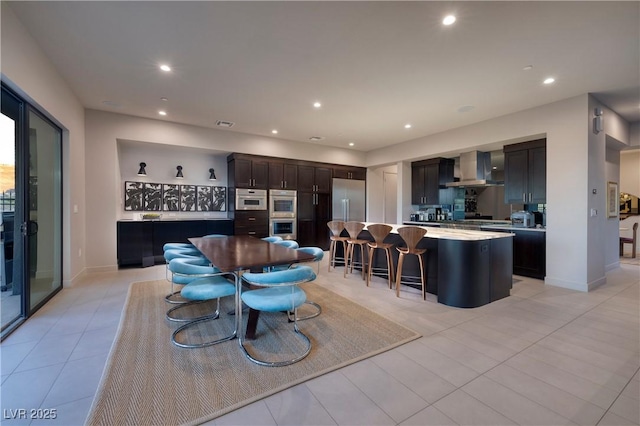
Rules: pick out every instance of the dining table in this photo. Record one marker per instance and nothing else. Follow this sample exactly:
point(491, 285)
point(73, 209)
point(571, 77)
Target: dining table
point(238, 253)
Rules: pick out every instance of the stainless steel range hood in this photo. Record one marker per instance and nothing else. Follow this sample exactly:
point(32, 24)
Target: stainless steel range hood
point(475, 171)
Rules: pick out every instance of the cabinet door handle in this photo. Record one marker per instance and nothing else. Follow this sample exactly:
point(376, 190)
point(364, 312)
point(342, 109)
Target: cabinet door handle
point(285, 184)
point(524, 197)
point(252, 218)
point(251, 232)
point(530, 197)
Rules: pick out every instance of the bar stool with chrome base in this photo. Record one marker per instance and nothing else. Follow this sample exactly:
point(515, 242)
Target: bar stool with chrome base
point(354, 229)
point(379, 232)
point(336, 227)
point(280, 293)
point(412, 236)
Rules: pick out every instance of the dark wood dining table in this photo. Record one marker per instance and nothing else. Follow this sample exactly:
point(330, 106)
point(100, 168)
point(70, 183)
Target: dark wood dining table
point(237, 253)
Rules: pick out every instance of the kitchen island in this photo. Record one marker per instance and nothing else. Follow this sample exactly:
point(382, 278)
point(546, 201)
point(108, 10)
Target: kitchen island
point(464, 268)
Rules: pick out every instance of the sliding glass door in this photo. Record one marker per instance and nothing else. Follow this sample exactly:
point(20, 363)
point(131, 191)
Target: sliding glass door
point(31, 203)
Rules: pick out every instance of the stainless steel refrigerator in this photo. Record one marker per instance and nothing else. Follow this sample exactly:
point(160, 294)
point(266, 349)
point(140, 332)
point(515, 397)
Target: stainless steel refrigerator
point(348, 200)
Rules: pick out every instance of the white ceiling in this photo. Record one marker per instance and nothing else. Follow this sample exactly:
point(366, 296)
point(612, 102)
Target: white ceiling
point(375, 66)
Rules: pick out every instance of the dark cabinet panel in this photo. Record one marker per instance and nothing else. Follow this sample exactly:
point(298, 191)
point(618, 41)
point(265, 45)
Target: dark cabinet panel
point(314, 211)
point(529, 254)
point(141, 242)
point(525, 173)
point(283, 176)
point(247, 172)
point(134, 242)
point(306, 178)
point(428, 177)
point(516, 177)
point(357, 173)
point(252, 222)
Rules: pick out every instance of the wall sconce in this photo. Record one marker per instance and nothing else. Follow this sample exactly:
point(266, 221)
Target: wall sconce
point(597, 120)
point(179, 174)
point(212, 174)
point(141, 170)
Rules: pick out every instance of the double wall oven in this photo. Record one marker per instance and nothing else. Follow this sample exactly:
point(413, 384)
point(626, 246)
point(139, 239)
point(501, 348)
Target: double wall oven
point(282, 213)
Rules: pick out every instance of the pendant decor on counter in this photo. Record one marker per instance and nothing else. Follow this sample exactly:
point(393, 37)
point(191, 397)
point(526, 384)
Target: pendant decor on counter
point(144, 196)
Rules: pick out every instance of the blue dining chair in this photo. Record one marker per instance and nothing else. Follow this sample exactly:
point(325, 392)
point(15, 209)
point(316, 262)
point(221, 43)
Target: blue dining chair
point(293, 244)
point(169, 255)
point(272, 239)
point(207, 283)
point(280, 293)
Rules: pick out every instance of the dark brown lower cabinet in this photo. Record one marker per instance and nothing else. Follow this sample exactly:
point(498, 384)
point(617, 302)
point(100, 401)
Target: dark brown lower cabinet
point(252, 222)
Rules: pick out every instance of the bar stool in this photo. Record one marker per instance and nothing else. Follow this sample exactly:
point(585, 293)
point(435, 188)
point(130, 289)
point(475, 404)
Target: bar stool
point(411, 236)
point(354, 229)
point(336, 227)
point(379, 232)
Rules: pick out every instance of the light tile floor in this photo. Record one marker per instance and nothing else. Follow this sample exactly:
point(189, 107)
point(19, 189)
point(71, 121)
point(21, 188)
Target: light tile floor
point(544, 356)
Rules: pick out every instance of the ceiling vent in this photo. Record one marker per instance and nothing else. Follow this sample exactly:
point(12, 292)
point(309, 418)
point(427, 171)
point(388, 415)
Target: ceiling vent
point(222, 123)
point(316, 138)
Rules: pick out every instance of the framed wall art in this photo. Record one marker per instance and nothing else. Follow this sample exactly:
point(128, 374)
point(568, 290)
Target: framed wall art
point(152, 197)
point(187, 198)
point(204, 199)
point(133, 196)
point(219, 199)
point(170, 197)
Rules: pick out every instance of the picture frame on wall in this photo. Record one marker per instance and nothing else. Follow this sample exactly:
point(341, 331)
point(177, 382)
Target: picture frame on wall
point(170, 197)
point(152, 197)
point(613, 200)
point(188, 198)
point(134, 196)
point(219, 196)
point(204, 198)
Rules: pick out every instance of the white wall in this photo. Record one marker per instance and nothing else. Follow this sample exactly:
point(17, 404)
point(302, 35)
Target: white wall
point(28, 71)
point(375, 192)
point(574, 250)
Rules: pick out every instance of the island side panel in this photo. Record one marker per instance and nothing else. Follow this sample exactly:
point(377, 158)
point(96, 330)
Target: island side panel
point(464, 273)
point(501, 268)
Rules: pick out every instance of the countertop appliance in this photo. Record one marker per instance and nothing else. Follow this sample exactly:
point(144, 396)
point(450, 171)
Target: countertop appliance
point(251, 199)
point(523, 219)
point(348, 201)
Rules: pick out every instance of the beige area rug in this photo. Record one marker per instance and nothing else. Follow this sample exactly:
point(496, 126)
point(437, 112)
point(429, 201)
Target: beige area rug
point(150, 381)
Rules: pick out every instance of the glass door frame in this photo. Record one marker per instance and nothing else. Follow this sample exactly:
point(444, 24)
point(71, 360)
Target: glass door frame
point(22, 197)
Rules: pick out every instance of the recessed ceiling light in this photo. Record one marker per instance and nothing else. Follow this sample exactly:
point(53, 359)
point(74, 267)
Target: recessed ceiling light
point(494, 168)
point(549, 80)
point(274, 131)
point(162, 112)
point(407, 126)
point(165, 67)
point(317, 104)
point(527, 68)
point(164, 99)
point(448, 20)
point(351, 143)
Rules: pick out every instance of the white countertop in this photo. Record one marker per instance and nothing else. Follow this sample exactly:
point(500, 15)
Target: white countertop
point(451, 234)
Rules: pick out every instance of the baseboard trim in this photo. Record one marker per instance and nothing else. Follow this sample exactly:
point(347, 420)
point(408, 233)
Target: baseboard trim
point(572, 285)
